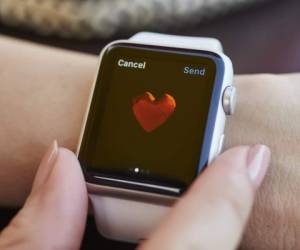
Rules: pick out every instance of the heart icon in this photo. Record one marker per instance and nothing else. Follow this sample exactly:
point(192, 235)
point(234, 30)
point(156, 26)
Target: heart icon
point(152, 113)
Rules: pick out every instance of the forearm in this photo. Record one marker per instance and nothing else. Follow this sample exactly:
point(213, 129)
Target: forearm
point(268, 111)
point(44, 95)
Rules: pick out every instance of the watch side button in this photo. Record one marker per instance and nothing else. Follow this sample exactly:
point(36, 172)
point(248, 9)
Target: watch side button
point(229, 100)
point(221, 144)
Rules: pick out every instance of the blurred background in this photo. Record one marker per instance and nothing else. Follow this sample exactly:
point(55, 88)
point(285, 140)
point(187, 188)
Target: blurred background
point(260, 36)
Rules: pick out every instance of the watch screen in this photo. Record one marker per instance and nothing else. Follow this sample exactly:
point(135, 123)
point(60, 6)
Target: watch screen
point(148, 116)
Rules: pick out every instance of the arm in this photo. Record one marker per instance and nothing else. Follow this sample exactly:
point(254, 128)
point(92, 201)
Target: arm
point(268, 111)
point(44, 94)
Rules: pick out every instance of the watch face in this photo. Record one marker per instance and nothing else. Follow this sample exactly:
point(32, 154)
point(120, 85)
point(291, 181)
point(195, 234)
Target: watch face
point(151, 117)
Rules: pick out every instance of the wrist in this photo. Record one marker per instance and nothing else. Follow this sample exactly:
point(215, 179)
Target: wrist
point(44, 93)
point(268, 112)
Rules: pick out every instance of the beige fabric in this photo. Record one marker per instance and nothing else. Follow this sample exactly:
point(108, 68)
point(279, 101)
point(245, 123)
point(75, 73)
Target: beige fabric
point(103, 18)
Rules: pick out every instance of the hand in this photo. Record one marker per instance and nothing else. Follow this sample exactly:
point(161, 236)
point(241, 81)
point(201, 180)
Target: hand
point(268, 112)
point(54, 214)
point(211, 215)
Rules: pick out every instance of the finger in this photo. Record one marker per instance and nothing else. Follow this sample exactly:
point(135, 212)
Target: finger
point(45, 166)
point(213, 213)
point(54, 215)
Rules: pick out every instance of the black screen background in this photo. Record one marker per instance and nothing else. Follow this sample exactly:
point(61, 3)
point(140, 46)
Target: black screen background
point(114, 143)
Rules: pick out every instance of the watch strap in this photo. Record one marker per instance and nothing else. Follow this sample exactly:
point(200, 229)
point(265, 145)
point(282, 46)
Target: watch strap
point(198, 43)
point(124, 219)
point(128, 219)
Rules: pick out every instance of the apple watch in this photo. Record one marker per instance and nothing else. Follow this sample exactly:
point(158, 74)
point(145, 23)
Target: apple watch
point(154, 121)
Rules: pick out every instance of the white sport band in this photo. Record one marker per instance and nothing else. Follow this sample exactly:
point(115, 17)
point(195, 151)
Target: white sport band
point(132, 216)
point(189, 42)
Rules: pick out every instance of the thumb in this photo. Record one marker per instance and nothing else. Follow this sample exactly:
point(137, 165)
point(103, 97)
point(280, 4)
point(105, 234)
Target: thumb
point(213, 213)
point(54, 214)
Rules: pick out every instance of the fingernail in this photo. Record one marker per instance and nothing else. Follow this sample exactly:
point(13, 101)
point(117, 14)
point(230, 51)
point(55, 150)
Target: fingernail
point(46, 164)
point(50, 154)
point(258, 160)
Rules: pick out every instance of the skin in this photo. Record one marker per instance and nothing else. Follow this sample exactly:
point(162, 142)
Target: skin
point(35, 79)
point(50, 206)
point(219, 201)
point(268, 112)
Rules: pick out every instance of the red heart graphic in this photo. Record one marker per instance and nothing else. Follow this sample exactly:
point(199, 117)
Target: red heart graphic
point(152, 113)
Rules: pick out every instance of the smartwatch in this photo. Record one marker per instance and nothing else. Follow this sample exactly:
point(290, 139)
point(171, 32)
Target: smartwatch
point(155, 120)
